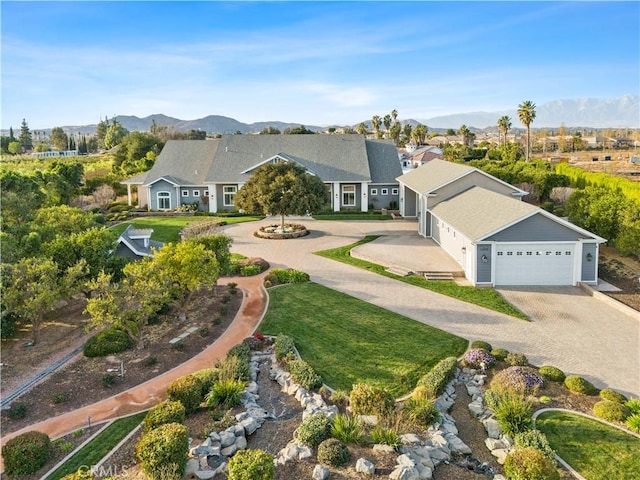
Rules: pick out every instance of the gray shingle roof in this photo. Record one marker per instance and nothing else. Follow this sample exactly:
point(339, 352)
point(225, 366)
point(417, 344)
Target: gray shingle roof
point(137, 245)
point(433, 174)
point(185, 162)
point(478, 212)
point(384, 163)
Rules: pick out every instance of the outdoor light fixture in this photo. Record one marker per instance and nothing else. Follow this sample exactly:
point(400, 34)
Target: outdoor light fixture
point(484, 259)
point(589, 257)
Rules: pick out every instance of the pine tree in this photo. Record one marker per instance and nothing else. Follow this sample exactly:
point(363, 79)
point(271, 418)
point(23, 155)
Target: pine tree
point(25, 136)
point(12, 138)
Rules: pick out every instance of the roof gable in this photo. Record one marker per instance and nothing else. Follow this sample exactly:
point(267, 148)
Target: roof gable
point(184, 162)
point(277, 158)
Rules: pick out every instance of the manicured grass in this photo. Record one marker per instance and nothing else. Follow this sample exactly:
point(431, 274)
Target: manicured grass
point(484, 297)
point(347, 340)
point(352, 216)
point(167, 229)
point(597, 451)
point(97, 448)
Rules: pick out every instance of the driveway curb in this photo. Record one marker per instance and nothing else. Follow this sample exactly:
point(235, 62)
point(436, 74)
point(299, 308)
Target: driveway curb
point(612, 302)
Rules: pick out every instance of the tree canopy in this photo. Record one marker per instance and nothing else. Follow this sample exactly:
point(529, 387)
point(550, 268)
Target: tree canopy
point(282, 188)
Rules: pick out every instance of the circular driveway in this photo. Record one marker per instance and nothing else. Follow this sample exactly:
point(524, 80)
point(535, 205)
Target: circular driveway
point(569, 329)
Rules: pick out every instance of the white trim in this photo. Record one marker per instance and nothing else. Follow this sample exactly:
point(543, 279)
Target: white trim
point(184, 193)
point(343, 191)
point(518, 192)
point(225, 193)
point(384, 191)
point(162, 178)
point(280, 156)
point(374, 191)
point(195, 193)
point(133, 248)
point(395, 191)
point(168, 196)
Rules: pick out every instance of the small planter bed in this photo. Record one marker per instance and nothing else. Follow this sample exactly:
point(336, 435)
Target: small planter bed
point(276, 232)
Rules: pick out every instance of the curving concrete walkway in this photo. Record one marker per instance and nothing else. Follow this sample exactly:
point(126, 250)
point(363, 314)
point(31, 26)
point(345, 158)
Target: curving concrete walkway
point(146, 395)
point(569, 329)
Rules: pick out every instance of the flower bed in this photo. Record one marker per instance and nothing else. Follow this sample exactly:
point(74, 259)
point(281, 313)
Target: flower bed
point(276, 232)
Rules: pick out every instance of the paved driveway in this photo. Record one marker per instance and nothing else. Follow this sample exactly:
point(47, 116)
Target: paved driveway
point(569, 329)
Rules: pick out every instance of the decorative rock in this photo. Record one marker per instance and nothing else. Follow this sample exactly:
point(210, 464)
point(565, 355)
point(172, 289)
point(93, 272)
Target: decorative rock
point(438, 455)
point(365, 466)
point(500, 454)
point(241, 443)
point(305, 452)
point(497, 476)
point(381, 447)
point(405, 461)
point(227, 438)
point(320, 473)
point(494, 444)
point(421, 455)
point(229, 451)
point(492, 427)
point(368, 419)
point(410, 439)
point(193, 465)
point(477, 409)
point(507, 439)
point(203, 464)
point(424, 472)
point(214, 436)
point(457, 446)
point(250, 425)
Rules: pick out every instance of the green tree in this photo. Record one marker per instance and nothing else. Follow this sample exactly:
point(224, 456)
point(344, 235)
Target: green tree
point(137, 153)
point(394, 115)
point(26, 140)
point(504, 125)
point(196, 135)
point(270, 131)
point(115, 133)
point(407, 130)
point(14, 148)
point(63, 180)
point(527, 114)
point(61, 220)
point(395, 131)
point(297, 131)
point(599, 210)
point(32, 287)
point(282, 188)
point(419, 134)
point(12, 137)
point(59, 138)
point(386, 120)
point(362, 128)
point(376, 121)
point(101, 132)
point(465, 133)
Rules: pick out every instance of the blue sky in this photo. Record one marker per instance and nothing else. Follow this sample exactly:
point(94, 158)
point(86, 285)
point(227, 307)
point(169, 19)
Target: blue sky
point(317, 63)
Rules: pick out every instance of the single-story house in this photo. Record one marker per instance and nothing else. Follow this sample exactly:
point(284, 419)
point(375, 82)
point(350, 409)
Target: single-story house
point(496, 238)
point(136, 243)
point(359, 173)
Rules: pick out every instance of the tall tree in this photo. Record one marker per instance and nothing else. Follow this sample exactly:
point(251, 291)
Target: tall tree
point(407, 130)
point(465, 133)
point(527, 114)
point(395, 131)
point(115, 133)
point(270, 130)
point(12, 138)
point(394, 115)
point(26, 140)
point(387, 123)
point(282, 188)
point(101, 131)
point(59, 139)
point(504, 125)
point(420, 134)
point(362, 128)
point(376, 121)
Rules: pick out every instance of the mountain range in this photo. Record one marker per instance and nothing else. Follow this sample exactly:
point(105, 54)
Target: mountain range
point(619, 112)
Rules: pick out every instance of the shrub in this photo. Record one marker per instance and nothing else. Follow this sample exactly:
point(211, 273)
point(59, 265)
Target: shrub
point(421, 410)
point(612, 395)
point(289, 276)
point(529, 464)
point(611, 411)
point(634, 405)
point(150, 361)
point(66, 447)
point(234, 367)
point(250, 270)
point(535, 439)
point(109, 380)
point(552, 374)
point(481, 344)
point(178, 346)
point(384, 435)
point(220, 421)
point(544, 399)
point(577, 384)
point(304, 374)
point(165, 412)
point(283, 346)
point(225, 393)
point(333, 452)
point(233, 288)
point(17, 410)
point(478, 357)
point(26, 453)
point(252, 342)
point(633, 422)
point(500, 354)
point(188, 391)
point(80, 474)
point(340, 397)
point(203, 332)
point(517, 359)
point(347, 429)
point(163, 451)
point(436, 380)
point(251, 464)
point(512, 411)
point(111, 340)
point(524, 380)
point(368, 400)
point(61, 397)
point(207, 377)
point(314, 429)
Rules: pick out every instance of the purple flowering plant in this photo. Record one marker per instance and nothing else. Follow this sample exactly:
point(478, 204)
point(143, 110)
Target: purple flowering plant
point(479, 358)
point(524, 380)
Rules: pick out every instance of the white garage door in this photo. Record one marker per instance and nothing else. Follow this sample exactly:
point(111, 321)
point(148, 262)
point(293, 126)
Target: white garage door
point(535, 264)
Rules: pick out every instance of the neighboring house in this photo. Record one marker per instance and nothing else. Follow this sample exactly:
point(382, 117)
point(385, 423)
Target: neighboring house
point(423, 155)
point(136, 243)
point(497, 239)
point(358, 173)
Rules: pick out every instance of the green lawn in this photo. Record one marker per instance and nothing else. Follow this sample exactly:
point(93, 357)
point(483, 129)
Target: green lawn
point(485, 297)
point(597, 451)
point(347, 340)
point(167, 229)
point(97, 448)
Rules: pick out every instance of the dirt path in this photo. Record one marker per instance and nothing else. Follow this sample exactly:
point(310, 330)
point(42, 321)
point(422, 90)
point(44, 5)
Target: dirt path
point(153, 391)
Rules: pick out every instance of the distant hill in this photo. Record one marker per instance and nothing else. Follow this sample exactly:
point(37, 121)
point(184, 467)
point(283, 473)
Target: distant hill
point(581, 112)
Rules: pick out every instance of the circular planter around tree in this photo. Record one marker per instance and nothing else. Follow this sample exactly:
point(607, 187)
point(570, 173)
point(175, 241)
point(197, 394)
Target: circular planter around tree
point(275, 232)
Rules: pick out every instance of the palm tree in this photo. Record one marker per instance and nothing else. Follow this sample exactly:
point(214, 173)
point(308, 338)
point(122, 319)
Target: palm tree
point(376, 122)
point(361, 128)
point(504, 125)
point(527, 114)
point(387, 123)
point(465, 133)
point(394, 114)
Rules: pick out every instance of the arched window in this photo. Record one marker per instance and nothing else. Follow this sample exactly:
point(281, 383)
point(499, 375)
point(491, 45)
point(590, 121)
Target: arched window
point(164, 201)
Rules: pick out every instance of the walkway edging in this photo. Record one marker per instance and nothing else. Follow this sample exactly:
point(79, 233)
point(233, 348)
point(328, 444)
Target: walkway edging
point(612, 302)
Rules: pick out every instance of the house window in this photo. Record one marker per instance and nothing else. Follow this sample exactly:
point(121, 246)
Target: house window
point(384, 191)
point(547, 253)
point(185, 193)
point(499, 254)
point(558, 253)
point(206, 193)
point(229, 196)
point(519, 254)
point(349, 195)
point(567, 253)
point(164, 201)
point(528, 253)
point(196, 193)
point(395, 191)
point(509, 254)
point(374, 191)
